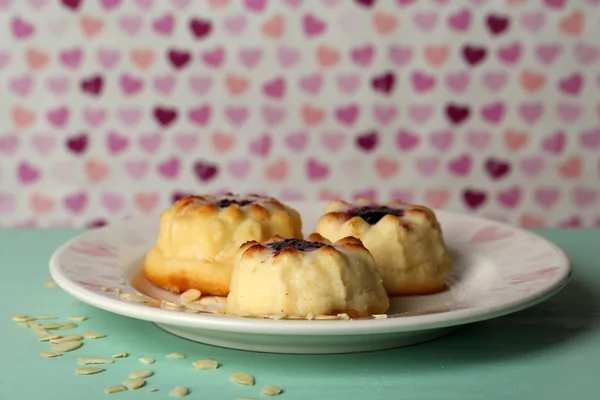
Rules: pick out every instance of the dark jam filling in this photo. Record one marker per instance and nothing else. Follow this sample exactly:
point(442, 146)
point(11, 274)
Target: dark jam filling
point(372, 215)
point(227, 202)
point(298, 244)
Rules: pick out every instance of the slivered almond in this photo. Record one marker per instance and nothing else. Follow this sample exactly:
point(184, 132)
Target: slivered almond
point(77, 318)
point(380, 316)
point(67, 326)
point(141, 373)
point(48, 338)
point(50, 326)
point(325, 317)
point(41, 331)
point(89, 370)
point(135, 298)
point(115, 389)
point(94, 360)
point(121, 354)
point(67, 346)
point(206, 363)
point(22, 318)
point(242, 378)
point(134, 383)
point(67, 338)
point(49, 354)
point(190, 295)
point(44, 317)
point(93, 335)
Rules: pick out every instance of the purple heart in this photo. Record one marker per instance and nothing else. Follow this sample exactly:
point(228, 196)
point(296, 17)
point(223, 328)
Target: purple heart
point(205, 171)
point(497, 169)
point(165, 116)
point(77, 144)
point(347, 115)
point(200, 28)
point(474, 55)
point(384, 82)
point(474, 198)
point(179, 59)
point(367, 141)
point(457, 114)
point(93, 85)
point(497, 23)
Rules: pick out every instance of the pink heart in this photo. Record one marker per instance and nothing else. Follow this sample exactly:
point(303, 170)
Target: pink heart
point(458, 81)
point(427, 165)
point(297, 141)
point(37, 4)
point(316, 170)
point(313, 26)
point(572, 84)
point(422, 82)
point(532, 165)
point(368, 193)
point(511, 197)
point(4, 59)
point(363, 56)
point(333, 141)
point(348, 83)
point(71, 58)
point(250, 57)
point(164, 25)
point(491, 234)
point(460, 166)
point(261, 146)
point(201, 84)
point(275, 88)
point(169, 168)
point(347, 115)
point(426, 21)
point(237, 116)
point(547, 197)
point(400, 55)
point(384, 115)
point(404, 195)
point(43, 144)
point(21, 85)
point(493, 113)
point(568, 112)
point(7, 204)
point(27, 173)
point(214, 58)
point(531, 112)
point(406, 140)
point(130, 116)
point(239, 168)
point(116, 143)
point(21, 28)
point(186, 142)
point(586, 53)
point(235, 24)
point(58, 26)
point(312, 83)
point(255, 5)
point(200, 115)
point(460, 20)
point(478, 139)
point(584, 197)
point(110, 4)
point(558, 4)
point(420, 113)
point(58, 116)
point(75, 203)
point(547, 53)
point(441, 140)
point(164, 84)
point(9, 144)
point(533, 21)
point(590, 139)
point(113, 202)
point(58, 85)
point(130, 85)
point(288, 56)
point(495, 81)
point(150, 142)
point(131, 24)
point(108, 58)
point(273, 115)
point(291, 195)
point(136, 168)
point(94, 116)
point(555, 144)
point(510, 53)
point(181, 4)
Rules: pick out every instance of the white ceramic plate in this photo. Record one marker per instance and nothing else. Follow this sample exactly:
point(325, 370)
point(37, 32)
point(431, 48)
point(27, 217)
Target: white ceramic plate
point(498, 270)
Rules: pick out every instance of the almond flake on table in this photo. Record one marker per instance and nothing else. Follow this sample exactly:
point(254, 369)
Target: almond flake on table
point(93, 335)
point(50, 284)
point(121, 354)
point(179, 391)
point(115, 389)
point(206, 364)
point(77, 318)
point(147, 360)
point(134, 383)
point(89, 370)
point(190, 295)
point(175, 355)
point(242, 378)
point(94, 360)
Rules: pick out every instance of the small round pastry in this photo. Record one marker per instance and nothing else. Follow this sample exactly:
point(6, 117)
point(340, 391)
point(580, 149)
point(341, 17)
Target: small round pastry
point(199, 237)
point(405, 241)
point(299, 277)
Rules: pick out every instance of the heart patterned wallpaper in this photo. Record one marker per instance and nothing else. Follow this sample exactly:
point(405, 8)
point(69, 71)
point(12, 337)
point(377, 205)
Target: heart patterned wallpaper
point(113, 108)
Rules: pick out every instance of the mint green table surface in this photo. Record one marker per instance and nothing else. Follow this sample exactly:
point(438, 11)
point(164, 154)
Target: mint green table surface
point(550, 351)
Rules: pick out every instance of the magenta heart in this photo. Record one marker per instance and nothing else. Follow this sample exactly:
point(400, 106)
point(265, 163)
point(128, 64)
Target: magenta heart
point(113, 202)
point(250, 57)
point(316, 170)
point(400, 55)
point(547, 197)
point(130, 116)
point(275, 88)
point(474, 198)
point(58, 117)
point(511, 197)
point(441, 140)
point(77, 144)
point(586, 53)
point(201, 84)
point(205, 171)
point(510, 53)
point(497, 24)
point(493, 113)
point(427, 165)
point(261, 146)
point(214, 58)
point(367, 141)
point(348, 83)
point(460, 20)
point(71, 58)
point(297, 141)
point(531, 112)
point(422, 82)
point(406, 140)
point(426, 21)
point(362, 56)
point(584, 197)
point(384, 82)
point(558, 4)
point(460, 166)
point(21, 29)
point(474, 55)
point(555, 143)
point(312, 25)
point(9, 144)
point(116, 143)
point(273, 115)
point(333, 141)
point(312, 83)
point(58, 85)
point(136, 168)
point(384, 115)
point(255, 5)
point(239, 168)
point(71, 4)
point(165, 116)
point(590, 139)
point(200, 115)
point(27, 173)
point(347, 115)
point(237, 116)
point(169, 168)
point(235, 24)
point(288, 56)
point(568, 112)
point(150, 142)
point(94, 116)
point(130, 85)
point(571, 84)
point(458, 81)
point(533, 21)
point(75, 203)
point(478, 139)
point(457, 114)
point(93, 85)
point(108, 58)
point(532, 165)
point(179, 58)
point(497, 169)
point(547, 53)
point(164, 25)
point(186, 142)
point(495, 81)
point(420, 113)
point(164, 84)
point(200, 28)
